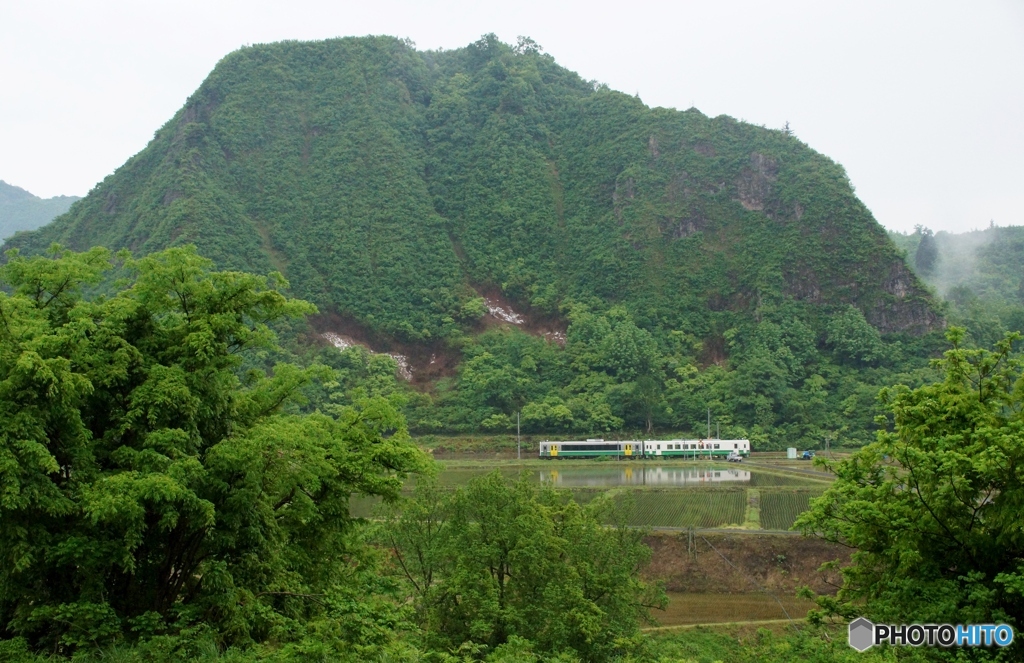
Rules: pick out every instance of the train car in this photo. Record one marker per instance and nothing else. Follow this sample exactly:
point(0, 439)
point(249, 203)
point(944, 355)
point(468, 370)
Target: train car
point(589, 449)
point(644, 449)
point(695, 449)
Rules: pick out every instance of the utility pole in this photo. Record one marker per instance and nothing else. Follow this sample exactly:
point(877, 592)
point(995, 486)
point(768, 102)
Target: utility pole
point(519, 444)
point(718, 431)
point(709, 423)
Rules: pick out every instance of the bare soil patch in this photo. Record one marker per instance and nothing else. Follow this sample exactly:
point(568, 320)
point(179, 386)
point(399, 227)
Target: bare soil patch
point(427, 362)
point(503, 312)
point(769, 569)
point(778, 564)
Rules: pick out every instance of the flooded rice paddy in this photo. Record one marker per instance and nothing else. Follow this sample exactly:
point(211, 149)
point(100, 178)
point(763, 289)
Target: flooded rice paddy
point(659, 496)
point(610, 475)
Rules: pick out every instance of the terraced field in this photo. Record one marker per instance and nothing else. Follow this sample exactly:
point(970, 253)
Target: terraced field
point(780, 509)
point(685, 508)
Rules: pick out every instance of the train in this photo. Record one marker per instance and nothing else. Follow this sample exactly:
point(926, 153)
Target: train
point(644, 449)
point(644, 474)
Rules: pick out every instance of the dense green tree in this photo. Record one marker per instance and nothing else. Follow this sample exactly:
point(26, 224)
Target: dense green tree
point(853, 339)
point(934, 506)
point(551, 414)
point(927, 253)
point(496, 561)
point(146, 483)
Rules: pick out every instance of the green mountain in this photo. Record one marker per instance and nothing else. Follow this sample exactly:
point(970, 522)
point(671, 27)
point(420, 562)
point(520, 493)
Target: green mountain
point(394, 188)
point(20, 210)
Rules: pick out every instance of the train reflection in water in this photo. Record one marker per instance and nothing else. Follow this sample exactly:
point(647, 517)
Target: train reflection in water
point(641, 475)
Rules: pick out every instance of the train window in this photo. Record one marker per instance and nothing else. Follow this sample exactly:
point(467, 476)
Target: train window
point(716, 446)
point(659, 446)
point(735, 446)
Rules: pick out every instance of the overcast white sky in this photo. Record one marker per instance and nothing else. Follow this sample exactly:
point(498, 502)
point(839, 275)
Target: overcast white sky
point(921, 101)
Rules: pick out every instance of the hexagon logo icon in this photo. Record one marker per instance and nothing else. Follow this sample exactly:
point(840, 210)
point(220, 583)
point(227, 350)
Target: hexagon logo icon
point(862, 634)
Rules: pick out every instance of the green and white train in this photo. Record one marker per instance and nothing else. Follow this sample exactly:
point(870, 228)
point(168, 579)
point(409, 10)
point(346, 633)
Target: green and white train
point(644, 449)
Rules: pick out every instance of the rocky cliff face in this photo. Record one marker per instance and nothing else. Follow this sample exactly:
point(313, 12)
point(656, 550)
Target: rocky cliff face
point(904, 305)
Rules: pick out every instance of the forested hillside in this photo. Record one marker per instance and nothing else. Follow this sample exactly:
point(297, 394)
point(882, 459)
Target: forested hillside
point(660, 262)
point(20, 210)
point(980, 273)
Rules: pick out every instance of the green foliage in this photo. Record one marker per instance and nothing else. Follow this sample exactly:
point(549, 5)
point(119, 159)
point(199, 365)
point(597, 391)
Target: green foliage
point(147, 485)
point(808, 644)
point(814, 644)
point(853, 339)
point(934, 505)
point(503, 566)
point(392, 187)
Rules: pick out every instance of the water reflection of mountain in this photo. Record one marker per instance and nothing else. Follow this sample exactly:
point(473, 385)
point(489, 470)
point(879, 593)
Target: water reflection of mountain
point(641, 476)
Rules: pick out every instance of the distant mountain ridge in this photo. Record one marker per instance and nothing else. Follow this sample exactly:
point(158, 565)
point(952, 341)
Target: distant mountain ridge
point(20, 210)
point(394, 186)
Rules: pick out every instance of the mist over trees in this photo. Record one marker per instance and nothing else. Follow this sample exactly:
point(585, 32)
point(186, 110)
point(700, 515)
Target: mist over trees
point(979, 275)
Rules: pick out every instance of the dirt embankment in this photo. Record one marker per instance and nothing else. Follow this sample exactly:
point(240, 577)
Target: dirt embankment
point(501, 312)
point(780, 564)
point(420, 364)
